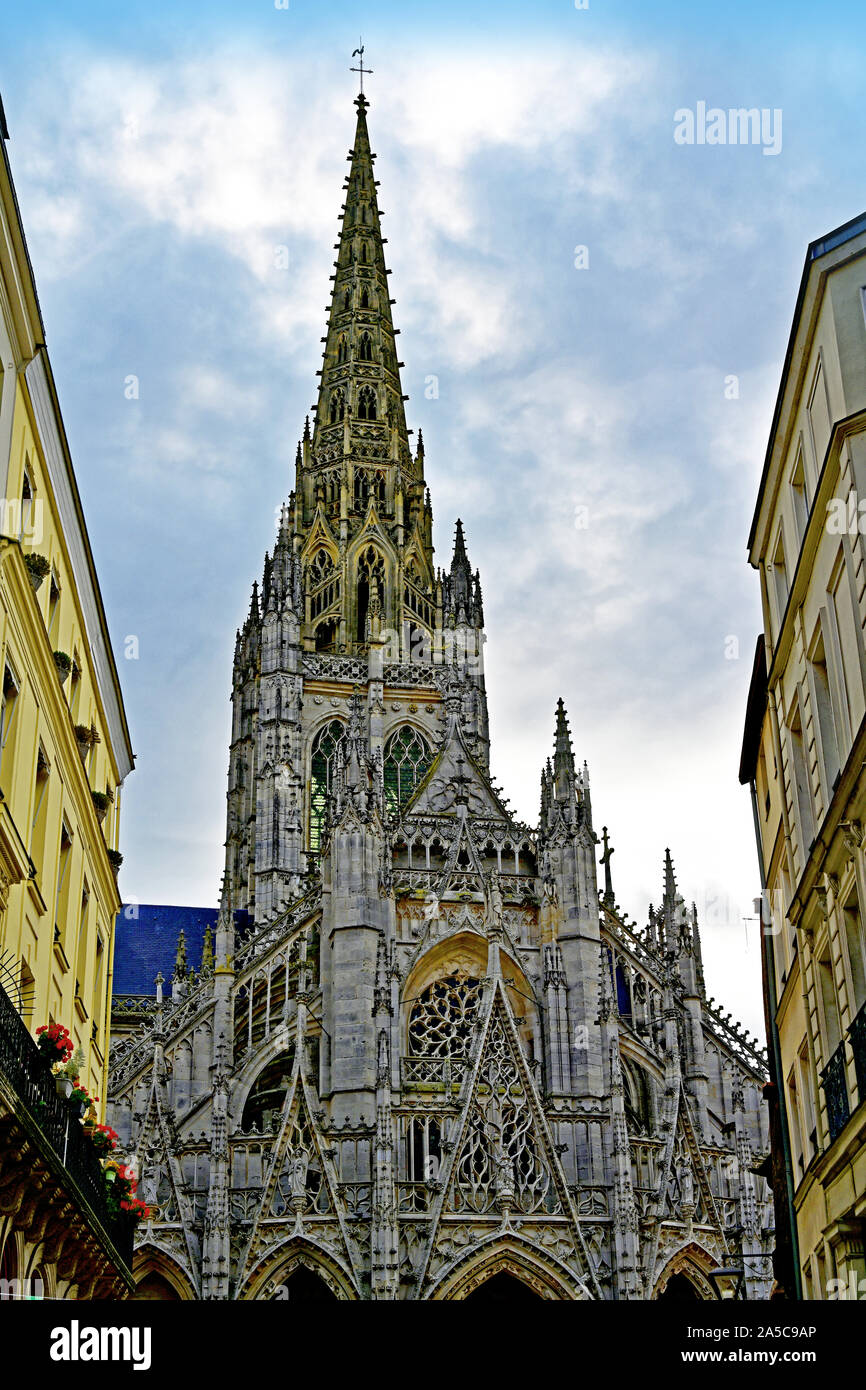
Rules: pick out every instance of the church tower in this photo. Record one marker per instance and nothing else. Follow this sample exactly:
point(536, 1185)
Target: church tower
point(423, 1056)
point(349, 590)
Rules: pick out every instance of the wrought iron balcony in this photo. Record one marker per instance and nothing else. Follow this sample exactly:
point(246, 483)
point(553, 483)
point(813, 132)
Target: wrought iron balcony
point(836, 1092)
point(857, 1036)
point(59, 1138)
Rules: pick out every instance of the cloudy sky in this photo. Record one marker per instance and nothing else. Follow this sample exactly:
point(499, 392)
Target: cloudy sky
point(586, 426)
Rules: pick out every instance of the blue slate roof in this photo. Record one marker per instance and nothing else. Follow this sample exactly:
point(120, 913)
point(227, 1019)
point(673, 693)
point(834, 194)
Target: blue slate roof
point(146, 943)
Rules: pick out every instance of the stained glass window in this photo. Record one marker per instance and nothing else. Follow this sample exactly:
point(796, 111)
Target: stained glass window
point(407, 758)
point(442, 1017)
point(321, 773)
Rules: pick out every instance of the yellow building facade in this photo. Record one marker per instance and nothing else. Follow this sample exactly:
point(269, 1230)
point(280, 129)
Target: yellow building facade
point(64, 742)
point(804, 756)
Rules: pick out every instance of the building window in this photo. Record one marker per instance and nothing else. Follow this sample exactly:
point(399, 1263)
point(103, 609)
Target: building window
point(27, 993)
point(850, 640)
point(807, 1093)
point(362, 490)
point(407, 758)
point(824, 718)
point(796, 1125)
point(636, 1098)
point(81, 958)
point(7, 718)
point(819, 417)
point(53, 604)
point(75, 686)
point(365, 348)
point(371, 584)
point(26, 505)
point(323, 584)
point(423, 1148)
point(338, 407)
point(61, 898)
point(762, 781)
point(832, 1030)
point(854, 942)
point(799, 499)
point(40, 813)
point(800, 777)
point(321, 775)
point(326, 635)
point(98, 987)
point(367, 403)
point(780, 582)
point(623, 994)
point(443, 1015)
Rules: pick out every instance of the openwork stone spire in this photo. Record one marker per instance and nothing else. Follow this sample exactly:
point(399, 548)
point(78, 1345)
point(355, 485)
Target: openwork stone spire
point(360, 394)
point(463, 603)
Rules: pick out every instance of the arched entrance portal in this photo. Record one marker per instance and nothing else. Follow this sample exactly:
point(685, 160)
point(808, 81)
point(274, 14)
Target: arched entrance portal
point(503, 1288)
point(680, 1289)
point(154, 1288)
point(303, 1285)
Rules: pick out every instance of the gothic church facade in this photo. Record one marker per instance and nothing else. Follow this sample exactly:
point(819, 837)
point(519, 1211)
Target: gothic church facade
point(423, 1055)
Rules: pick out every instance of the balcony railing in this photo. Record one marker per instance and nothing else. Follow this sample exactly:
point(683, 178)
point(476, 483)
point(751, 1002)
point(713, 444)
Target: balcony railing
point(857, 1036)
point(30, 1078)
point(836, 1092)
point(434, 1071)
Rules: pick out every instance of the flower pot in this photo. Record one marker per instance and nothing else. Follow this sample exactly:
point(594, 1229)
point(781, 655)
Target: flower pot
point(63, 665)
point(63, 1086)
point(38, 568)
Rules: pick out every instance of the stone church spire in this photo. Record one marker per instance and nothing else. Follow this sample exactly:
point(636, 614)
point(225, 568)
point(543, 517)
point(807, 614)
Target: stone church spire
point(360, 378)
point(362, 519)
point(462, 588)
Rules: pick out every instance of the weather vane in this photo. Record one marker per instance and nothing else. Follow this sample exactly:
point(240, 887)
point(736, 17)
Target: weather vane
point(359, 53)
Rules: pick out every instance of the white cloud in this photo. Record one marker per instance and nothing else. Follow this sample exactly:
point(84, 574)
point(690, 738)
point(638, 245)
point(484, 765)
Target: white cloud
point(554, 392)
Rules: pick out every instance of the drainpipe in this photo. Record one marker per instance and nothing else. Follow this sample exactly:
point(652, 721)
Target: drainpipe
point(769, 967)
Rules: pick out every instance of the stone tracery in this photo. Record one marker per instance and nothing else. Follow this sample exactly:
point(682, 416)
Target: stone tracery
point(471, 1037)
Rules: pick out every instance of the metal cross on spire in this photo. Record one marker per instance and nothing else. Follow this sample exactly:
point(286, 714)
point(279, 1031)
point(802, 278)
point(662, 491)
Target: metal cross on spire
point(359, 53)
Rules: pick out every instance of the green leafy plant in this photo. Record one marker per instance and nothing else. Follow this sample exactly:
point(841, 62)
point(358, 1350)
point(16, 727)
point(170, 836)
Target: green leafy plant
point(72, 1065)
point(63, 663)
point(38, 568)
point(103, 1138)
point(120, 1186)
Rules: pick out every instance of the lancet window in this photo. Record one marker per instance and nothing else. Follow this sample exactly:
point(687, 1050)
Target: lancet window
point(321, 775)
point(407, 758)
point(371, 581)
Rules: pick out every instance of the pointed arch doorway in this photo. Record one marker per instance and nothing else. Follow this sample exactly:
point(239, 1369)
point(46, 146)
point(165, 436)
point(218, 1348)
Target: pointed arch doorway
point(304, 1285)
point(680, 1289)
point(503, 1288)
